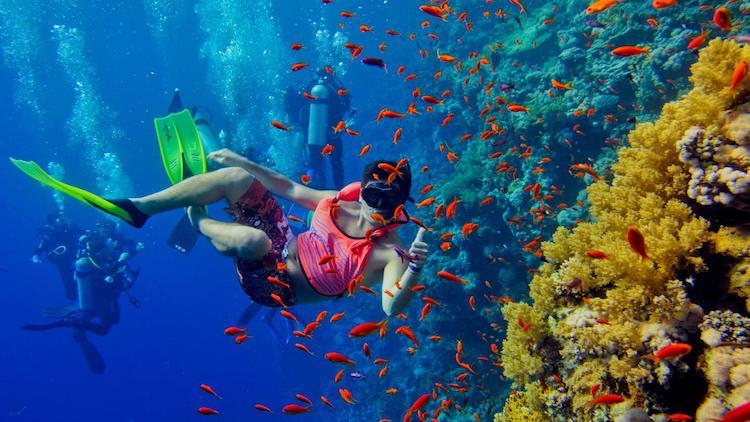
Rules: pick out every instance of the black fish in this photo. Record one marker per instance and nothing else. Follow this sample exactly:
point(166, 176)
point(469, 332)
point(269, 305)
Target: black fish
point(518, 20)
point(373, 61)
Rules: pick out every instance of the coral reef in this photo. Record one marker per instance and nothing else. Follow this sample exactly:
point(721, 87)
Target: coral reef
point(623, 308)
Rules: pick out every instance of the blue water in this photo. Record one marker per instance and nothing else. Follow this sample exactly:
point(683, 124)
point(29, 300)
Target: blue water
point(159, 354)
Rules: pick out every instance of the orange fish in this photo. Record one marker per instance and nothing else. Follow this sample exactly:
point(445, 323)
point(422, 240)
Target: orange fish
point(338, 376)
point(278, 125)
point(336, 317)
point(722, 18)
point(347, 396)
point(517, 108)
point(346, 14)
point(210, 391)
point(740, 71)
point(653, 23)
point(451, 277)
point(404, 330)
point(233, 331)
point(425, 310)
point(327, 150)
point(450, 210)
point(305, 179)
point(326, 401)
point(296, 46)
point(434, 11)
point(342, 92)
point(397, 135)
point(607, 399)
point(207, 411)
point(366, 328)
point(334, 357)
point(469, 228)
point(365, 149)
point(303, 348)
point(561, 86)
point(391, 391)
point(672, 351)
point(263, 408)
point(295, 409)
point(298, 66)
point(595, 254)
point(661, 4)
point(382, 372)
point(278, 300)
point(600, 6)
point(288, 315)
point(697, 41)
point(472, 303)
point(629, 50)
point(637, 242)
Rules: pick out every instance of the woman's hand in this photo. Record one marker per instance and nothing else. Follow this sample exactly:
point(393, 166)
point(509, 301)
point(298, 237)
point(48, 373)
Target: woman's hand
point(419, 249)
point(227, 158)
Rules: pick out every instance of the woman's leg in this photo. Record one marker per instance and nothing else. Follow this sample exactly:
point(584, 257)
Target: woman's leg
point(203, 189)
point(231, 239)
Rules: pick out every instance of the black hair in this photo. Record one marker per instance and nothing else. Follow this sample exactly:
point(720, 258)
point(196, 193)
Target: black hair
point(403, 184)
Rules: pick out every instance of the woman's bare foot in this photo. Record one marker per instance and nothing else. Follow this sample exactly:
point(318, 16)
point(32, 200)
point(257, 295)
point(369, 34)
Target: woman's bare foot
point(196, 214)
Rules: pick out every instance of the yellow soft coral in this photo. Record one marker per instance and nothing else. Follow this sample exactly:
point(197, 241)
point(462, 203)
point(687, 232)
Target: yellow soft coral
point(639, 301)
point(516, 410)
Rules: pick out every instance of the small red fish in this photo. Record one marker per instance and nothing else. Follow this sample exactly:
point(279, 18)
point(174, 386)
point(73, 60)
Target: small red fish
point(672, 351)
point(366, 328)
point(210, 391)
point(233, 331)
point(278, 125)
point(263, 408)
point(595, 254)
point(740, 71)
point(607, 399)
point(451, 277)
point(296, 46)
point(629, 50)
point(327, 150)
point(298, 66)
point(637, 242)
point(207, 411)
point(295, 409)
point(338, 358)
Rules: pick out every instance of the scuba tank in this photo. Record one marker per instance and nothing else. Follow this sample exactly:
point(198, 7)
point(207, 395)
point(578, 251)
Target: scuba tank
point(85, 283)
point(317, 125)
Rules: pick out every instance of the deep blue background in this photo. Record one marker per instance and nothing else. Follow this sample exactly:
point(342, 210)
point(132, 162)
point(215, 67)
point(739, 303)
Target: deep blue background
point(159, 354)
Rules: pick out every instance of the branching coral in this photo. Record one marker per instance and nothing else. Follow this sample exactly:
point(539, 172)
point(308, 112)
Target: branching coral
point(602, 315)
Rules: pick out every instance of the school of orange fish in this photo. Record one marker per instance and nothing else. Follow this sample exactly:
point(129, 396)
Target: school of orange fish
point(441, 13)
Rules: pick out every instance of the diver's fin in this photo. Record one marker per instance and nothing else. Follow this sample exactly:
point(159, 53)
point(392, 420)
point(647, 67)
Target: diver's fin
point(59, 311)
point(183, 156)
point(180, 145)
point(183, 236)
point(93, 358)
point(123, 209)
point(176, 104)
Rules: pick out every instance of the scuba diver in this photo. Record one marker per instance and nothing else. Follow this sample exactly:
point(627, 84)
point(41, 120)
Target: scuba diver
point(101, 274)
point(57, 244)
point(316, 118)
point(352, 235)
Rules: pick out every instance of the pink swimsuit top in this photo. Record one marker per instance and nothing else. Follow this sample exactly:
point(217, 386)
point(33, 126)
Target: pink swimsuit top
point(325, 239)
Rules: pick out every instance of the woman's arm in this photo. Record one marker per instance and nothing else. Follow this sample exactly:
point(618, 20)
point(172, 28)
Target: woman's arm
point(274, 181)
point(404, 275)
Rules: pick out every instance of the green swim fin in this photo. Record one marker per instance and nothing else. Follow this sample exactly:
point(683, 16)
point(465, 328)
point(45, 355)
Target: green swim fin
point(180, 145)
point(33, 170)
point(183, 156)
